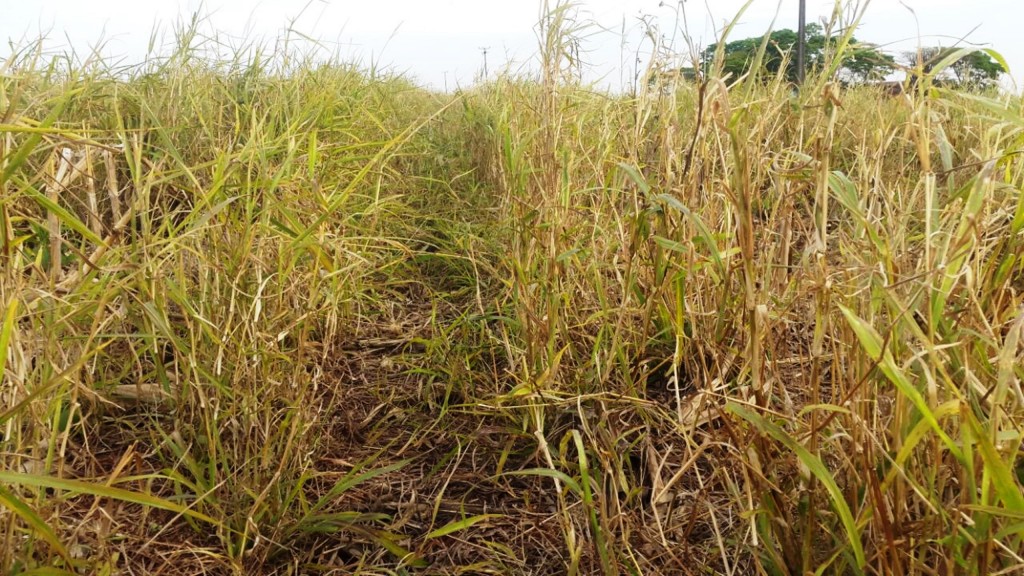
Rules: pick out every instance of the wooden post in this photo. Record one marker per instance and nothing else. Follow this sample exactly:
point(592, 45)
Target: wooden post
point(801, 45)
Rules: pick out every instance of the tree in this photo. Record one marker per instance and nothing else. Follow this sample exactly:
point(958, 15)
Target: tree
point(862, 61)
point(865, 63)
point(976, 69)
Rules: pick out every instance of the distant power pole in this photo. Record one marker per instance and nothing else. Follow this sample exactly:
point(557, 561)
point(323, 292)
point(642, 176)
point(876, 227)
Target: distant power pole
point(484, 51)
point(801, 45)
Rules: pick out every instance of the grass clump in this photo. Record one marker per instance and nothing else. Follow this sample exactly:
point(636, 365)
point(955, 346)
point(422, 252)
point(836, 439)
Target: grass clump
point(274, 315)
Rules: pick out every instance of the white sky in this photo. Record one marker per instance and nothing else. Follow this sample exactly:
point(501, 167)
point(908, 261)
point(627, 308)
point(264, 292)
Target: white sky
point(439, 41)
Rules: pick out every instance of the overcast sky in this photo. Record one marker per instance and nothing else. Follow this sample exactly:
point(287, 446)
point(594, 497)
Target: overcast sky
point(440, 42)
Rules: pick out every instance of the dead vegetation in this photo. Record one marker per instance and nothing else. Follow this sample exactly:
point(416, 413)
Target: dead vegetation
point(270, 316)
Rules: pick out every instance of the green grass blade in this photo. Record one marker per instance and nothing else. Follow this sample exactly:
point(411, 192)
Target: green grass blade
point(872, 343)
point(1001, 473)
point(46, 571)
point(459, 525)
point(817, 468)
point(100, 490)
point(548, 473)
point(14, 504)
point(66, 217)
point(15, 160)
point(6, 333)
point(353, 479)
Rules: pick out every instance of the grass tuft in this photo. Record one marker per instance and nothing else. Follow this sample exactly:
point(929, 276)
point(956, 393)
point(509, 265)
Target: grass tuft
point(267, 313)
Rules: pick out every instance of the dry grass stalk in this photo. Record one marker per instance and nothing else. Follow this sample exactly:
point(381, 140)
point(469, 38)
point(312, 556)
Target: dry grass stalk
point(300, 316)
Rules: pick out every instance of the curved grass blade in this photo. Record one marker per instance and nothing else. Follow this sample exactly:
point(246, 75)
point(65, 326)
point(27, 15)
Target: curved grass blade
point(459, 525)
point(20, 155)
point(999, 471)
point(80, 487)
point(64, 215)
point(390, 542)
point(872, 343)
point(351, 480)
point(549, 473)
point(6, 332)
point(46, 571)
point(14, 504)
point(817, 468)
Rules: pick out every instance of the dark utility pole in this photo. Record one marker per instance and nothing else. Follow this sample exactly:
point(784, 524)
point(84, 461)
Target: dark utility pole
point(801, 44)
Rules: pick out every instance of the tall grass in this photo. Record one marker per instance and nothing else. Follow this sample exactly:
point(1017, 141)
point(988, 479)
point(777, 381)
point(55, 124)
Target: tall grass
point(269, 314)
point(184, 250)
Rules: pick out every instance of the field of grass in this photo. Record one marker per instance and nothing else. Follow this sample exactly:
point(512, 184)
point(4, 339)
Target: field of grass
point(270, 315)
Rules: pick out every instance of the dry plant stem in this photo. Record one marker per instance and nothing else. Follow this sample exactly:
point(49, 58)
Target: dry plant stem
point(273, 313)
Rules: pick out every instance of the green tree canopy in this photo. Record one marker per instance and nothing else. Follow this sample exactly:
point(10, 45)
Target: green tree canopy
point(866, 63)
point(976, 69)
point(861, 60)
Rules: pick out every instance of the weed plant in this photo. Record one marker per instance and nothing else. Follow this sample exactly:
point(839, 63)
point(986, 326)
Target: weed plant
point(270, 314)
